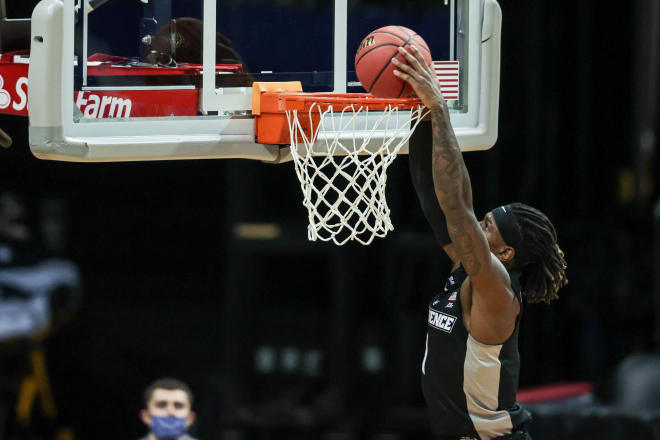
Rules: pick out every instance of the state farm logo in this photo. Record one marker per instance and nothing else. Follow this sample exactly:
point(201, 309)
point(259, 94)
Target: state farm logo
point(21, 92)
point(91, 105)
point(99, 106)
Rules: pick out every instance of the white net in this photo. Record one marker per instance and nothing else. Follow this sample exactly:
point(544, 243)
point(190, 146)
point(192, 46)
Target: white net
point(342, 166)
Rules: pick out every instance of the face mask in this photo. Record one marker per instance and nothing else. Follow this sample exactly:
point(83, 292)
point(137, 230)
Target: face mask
point(168, 427)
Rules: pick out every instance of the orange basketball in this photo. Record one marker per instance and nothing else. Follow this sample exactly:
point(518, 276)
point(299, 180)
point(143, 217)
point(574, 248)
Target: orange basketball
point(373, 60)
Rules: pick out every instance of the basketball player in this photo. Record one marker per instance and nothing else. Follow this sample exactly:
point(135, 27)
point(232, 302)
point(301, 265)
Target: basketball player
point(471, 365)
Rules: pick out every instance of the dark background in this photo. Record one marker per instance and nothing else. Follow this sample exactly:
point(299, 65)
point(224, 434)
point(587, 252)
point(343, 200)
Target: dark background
point(171, 290)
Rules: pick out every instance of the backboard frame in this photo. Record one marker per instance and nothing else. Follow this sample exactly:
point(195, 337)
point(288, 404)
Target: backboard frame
point(55, 135)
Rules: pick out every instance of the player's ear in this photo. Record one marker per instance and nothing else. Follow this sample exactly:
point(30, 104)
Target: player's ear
point(506, 254)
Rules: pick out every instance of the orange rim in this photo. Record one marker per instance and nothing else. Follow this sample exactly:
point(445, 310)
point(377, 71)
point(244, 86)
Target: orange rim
point(293, 101)
point(272, 124)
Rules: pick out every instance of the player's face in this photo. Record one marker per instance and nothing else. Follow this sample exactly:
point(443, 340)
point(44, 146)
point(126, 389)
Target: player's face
point(495, 240)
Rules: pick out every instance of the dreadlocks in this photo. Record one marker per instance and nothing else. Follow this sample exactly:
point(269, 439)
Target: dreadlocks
point(545, 273)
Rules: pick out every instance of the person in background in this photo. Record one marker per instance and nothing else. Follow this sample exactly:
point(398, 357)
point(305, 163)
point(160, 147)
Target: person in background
point(168, 410)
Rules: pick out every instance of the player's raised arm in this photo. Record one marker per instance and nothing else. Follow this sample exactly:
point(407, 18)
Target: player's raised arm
point(420, 154)
point(452, 185)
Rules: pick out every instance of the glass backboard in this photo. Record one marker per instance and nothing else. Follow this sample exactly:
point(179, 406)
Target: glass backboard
point(172, 79)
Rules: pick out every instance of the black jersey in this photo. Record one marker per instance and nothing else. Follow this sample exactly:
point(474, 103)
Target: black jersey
point(469, 387)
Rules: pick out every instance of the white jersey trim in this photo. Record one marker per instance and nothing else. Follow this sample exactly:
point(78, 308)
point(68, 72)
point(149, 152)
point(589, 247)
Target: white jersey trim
point(426, 352)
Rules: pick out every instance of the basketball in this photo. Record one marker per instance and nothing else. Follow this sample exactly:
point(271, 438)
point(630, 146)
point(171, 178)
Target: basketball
point(373, 60)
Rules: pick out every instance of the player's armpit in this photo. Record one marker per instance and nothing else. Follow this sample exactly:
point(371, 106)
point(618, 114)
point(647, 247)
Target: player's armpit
point(494, 307)
point(493, 289)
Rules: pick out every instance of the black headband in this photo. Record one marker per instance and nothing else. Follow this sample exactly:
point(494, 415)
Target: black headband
point(510, 230)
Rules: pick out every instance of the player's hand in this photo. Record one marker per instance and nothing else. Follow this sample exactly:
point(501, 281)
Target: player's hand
point(420, 76)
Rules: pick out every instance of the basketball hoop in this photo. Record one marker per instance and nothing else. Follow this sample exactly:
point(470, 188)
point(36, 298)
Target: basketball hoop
point(342, 145)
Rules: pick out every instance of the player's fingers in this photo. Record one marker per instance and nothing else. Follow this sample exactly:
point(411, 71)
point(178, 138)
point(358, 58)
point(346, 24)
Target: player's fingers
point(409, 70)
point(417, 54)
point(412, 60)
point(416, 59)
point(406, 77)
point(402, 66)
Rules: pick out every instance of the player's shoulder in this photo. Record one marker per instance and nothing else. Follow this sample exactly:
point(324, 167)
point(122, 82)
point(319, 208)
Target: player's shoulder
point(493, 283)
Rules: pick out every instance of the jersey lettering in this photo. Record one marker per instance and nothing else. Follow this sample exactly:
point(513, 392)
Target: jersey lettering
point(441, 321)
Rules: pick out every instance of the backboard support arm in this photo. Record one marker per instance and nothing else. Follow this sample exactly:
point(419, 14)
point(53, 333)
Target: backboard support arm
point(341, 43)
point(226, 100)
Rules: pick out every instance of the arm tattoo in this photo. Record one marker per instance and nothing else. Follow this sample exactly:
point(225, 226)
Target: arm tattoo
point(453, 189)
